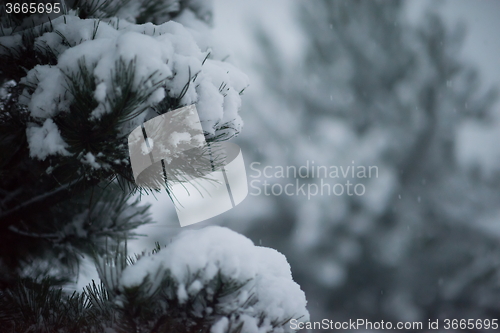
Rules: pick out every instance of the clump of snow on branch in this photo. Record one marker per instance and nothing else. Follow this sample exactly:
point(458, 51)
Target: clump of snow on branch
point(167, 60)
point(212, 251)
point(45, 140)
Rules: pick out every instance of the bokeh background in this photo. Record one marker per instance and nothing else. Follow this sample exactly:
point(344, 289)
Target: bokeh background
point(406, 86)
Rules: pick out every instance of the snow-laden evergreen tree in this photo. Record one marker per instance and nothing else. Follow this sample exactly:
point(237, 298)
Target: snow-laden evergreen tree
point(374, 89)
point(76, 77)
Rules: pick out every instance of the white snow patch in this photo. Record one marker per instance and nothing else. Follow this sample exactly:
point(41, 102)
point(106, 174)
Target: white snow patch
point(167, 58)
point(48, 98)
point(195, 287)
point(211, 250)
point(89, 159)
point(182, 294)
point(220, 326)
point(45, 140)
point(100, 92)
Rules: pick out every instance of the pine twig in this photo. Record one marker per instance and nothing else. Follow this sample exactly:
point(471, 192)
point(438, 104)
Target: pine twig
point(46, 199)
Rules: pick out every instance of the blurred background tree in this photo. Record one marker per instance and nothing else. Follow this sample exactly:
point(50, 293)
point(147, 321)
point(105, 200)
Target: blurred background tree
point(374, 90)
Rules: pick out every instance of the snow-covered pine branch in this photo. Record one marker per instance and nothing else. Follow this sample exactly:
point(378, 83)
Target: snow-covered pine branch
point(72, 87)
point(167, 66)
point(78, 86)
point(210, 280)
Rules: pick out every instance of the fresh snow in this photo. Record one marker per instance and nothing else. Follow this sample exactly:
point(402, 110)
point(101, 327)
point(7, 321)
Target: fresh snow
point(178, 57)
point(221, 326)
point(100, 92)
point(89, 159)
point(45, 140)
point(212, 250)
